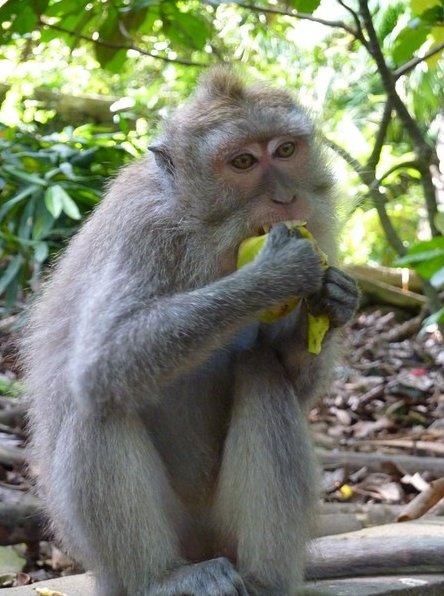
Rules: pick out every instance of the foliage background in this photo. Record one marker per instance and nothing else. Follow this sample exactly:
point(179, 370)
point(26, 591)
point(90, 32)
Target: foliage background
point(84, 84)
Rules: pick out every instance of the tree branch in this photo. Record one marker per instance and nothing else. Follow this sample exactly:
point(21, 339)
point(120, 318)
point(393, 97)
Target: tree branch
point(423, 150)
point(380, 137)
point(411, 64)
point(355, 16)
point(398, 166)
point(302, 16)
point(116, 46)
point(389, 82)
point(377, 197)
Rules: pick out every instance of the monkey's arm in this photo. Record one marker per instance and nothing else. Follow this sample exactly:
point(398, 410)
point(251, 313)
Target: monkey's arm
point(124, 344)
point(338, 298)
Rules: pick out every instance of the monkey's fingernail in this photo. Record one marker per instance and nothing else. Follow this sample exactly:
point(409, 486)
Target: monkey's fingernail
point(266, 228)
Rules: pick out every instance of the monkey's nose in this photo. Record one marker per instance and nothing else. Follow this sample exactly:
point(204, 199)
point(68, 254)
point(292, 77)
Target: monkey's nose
point(284, 198)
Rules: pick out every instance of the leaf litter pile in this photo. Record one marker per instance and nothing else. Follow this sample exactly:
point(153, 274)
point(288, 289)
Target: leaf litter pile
point(385, 411)
point(379, 435)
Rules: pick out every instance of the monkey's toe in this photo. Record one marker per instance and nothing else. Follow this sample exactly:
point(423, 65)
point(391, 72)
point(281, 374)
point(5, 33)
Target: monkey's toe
point(216, 577)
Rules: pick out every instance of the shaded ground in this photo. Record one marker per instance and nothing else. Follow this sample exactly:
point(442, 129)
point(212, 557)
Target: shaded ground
point(387, 398)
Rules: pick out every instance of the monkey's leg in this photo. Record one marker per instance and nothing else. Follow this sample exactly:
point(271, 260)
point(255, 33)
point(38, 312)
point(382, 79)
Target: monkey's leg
point(267, 492)
point(110, 494)
point(121, 516)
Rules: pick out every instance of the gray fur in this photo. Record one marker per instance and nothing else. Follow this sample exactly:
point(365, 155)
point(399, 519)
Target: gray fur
point(167, 424)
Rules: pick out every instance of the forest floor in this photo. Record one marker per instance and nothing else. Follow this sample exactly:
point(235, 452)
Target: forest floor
point(379, 434)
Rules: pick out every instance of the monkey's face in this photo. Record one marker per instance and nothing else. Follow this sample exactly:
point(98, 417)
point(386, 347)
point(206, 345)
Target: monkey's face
point(239, 166)
point(264, 178)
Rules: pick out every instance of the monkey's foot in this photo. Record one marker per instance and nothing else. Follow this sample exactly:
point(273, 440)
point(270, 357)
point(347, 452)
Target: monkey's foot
point(216, 577)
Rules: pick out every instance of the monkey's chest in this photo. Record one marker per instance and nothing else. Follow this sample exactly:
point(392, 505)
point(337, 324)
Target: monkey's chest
point(192, 416)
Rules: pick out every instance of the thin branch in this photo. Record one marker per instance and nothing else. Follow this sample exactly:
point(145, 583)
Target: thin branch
point(399, 166)
point(411, 64)
point(389, 82)
point(380, 137)
point(116, 46)
point(354, 163)
point(301, 15)
point(423, 149)
point(377, 197)
point(355, 16)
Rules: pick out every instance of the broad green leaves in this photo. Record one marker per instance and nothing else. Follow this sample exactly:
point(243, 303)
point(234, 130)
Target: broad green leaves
point(420, 29)
point(427, 258)
point(408, 41)
point(114, 25)
point(49, 184)
point(58, 200)
point(307, 6)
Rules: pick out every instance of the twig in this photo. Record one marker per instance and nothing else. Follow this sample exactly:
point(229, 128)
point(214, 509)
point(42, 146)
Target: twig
point(360, 32)
point(399, 166)
point(423, 502)
point(380, 137)
point(301, 15)
point(423, 149)
point(378, 461)
point(430, 446)
point(411, 64)
point(377, 197)
point(116, 46)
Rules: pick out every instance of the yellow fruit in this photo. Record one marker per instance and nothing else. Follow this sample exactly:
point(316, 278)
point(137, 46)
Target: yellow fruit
point(317, 328)
point(317, 325)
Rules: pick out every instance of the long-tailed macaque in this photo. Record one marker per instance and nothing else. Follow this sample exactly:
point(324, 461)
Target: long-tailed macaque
point(168, 423)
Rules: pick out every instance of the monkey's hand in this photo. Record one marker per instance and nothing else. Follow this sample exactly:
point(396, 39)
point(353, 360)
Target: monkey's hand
point(289, 264)
point(337, 298)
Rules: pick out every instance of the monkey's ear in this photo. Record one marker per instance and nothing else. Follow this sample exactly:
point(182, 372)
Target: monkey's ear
point(162, 157)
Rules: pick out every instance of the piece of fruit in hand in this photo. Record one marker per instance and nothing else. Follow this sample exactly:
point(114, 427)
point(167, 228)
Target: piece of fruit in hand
point(318, 325)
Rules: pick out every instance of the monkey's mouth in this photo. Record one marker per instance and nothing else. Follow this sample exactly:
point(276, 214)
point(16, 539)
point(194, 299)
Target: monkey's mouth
point(290, 223)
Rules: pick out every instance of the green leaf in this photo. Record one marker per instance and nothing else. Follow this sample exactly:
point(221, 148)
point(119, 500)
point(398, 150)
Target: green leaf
point(437, 280)
point(110, 31)
point(307, 6)
point(41, 251)
point(66, 7)
point(84, 158)
point(437, 318)
point(19, 197)
point(54, 200)
point(24, 176)
point(184, 28)
point(387, 17)
point(43, 222)
point(426, 257)
point(419, 6)
point(10, 273)
point(139, 4)
point(70, 207)
point(117, 60)
point(27, 220)
point(25, 21)
point(408, 41)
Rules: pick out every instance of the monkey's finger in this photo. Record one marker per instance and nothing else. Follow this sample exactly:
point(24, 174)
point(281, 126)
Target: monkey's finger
point(278, 235)
point(340, 294)
point(333, 275)
point(240, 587)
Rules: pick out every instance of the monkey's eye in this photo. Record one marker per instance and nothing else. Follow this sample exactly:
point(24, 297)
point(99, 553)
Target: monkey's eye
point(285, 150)
point(243, 161)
